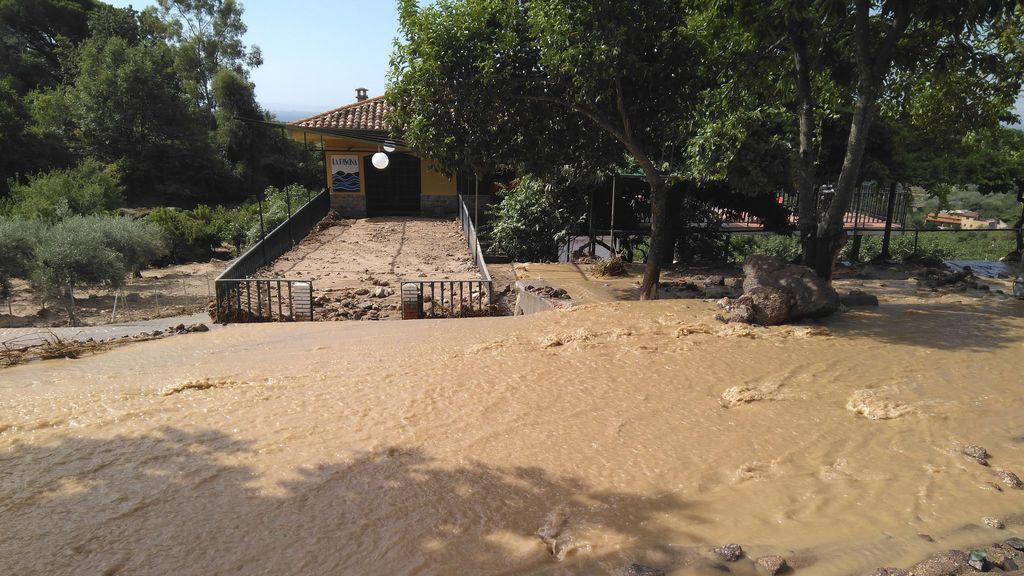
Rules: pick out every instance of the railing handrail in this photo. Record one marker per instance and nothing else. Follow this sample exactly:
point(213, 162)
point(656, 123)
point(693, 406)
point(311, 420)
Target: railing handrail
point(472, 240)
point(258, 245)
point(274, 279)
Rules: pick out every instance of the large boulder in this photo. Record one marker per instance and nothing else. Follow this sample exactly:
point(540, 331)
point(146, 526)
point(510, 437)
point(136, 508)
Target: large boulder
point(812, 296)
point(767, 306)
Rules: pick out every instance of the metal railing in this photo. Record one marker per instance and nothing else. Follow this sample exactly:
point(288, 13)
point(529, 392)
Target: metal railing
point(449, 297)
point(242, 298)
point(472, 242)
point(264, 300)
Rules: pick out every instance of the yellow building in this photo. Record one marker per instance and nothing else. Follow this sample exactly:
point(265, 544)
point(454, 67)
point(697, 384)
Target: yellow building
point(350, 137)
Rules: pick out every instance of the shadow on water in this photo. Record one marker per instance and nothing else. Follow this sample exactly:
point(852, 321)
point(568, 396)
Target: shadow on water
point(183, 502)
point(978, 326)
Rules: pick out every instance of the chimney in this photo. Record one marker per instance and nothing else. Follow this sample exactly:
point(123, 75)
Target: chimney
point(361, 94)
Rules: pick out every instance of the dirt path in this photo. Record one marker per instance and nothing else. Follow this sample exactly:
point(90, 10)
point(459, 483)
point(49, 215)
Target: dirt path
point(356, 265)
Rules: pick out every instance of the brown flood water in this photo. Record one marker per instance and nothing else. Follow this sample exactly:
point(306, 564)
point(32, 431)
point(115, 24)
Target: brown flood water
point(615, 433)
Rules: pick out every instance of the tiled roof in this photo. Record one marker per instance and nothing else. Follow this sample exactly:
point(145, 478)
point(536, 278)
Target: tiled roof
point(370, 114)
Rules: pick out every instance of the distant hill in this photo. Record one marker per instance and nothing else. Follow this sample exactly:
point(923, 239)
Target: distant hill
point(293, 115)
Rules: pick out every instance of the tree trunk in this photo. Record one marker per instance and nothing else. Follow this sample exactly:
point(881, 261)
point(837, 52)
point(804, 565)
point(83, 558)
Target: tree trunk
point(656, 253)
point(831, 236)
point(806, 196)
point(1019, 229)
point(72, 321)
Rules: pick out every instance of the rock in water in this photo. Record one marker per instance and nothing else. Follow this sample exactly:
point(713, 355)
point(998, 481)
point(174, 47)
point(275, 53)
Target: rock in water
point(976, 452)
point(859, 298)
point(770, 306)
point(729, 552)
point(1010, 479)
point(772, 564)
point(1015, 543)
point(742, 312)
point(813, 297)
point(993, 522)
point(641, 570)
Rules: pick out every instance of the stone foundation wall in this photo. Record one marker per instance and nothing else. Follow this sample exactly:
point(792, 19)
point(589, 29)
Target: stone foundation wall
point(349, 205)
point(439, 206)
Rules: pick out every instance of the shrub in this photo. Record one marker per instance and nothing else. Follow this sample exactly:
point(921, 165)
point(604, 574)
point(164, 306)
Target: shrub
point(18, 241)
point(529, 223)
point(89, 188)
point(191, 234)
point(74, 253)
point(785, 247)
point(276, 203)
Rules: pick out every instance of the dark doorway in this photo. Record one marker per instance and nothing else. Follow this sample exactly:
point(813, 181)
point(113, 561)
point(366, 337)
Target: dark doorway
point(395, 190)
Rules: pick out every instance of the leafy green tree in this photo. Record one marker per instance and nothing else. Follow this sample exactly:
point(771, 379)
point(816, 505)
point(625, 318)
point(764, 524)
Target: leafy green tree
point(124, 103)
point(208, 34)
point(74, 254)
point(553, 83)
point(89, 188)
point(33, 35)
point(938, 66)
point(530, 222)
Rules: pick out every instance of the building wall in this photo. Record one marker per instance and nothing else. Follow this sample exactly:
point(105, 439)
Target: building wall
point(438, 195)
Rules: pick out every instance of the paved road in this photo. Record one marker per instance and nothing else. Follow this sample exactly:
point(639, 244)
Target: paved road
point(21, 337)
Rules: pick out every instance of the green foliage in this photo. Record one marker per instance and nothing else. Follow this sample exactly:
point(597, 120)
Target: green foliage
point(33, 34)
point(138, 243)
point(276, 206)
point(529, 222)
point(208, 36)
point(74, 253)
point(192, 234)
point(89, 188)
point(84, 251)
point(18, 241)
point(990, 245)
point(945, 245)
point(785, 247)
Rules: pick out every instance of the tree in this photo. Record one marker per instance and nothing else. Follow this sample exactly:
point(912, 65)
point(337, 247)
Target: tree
point(552, 83)
point(73, 254)
point(209, 38)
point(33, 33)
point(947, 65)
point(18, 240)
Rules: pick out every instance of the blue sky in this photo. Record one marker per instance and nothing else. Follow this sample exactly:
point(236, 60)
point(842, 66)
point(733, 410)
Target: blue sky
point(315, 52)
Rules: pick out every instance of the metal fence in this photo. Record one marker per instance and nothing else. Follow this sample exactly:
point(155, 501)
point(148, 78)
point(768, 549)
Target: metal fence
point(449, 298)
point(241, 298)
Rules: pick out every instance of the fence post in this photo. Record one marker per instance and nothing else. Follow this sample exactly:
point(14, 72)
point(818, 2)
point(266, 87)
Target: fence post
point(288, 204)
point(890, 211)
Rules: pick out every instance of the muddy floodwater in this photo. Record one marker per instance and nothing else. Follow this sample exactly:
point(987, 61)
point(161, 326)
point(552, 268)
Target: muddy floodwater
point(561, 443)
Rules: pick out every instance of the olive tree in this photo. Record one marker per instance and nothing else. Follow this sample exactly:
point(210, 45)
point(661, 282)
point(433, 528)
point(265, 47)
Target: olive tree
point(82, 251)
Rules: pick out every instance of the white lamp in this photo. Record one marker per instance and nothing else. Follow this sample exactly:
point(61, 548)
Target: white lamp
point(389, 146)
point(380, 160)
